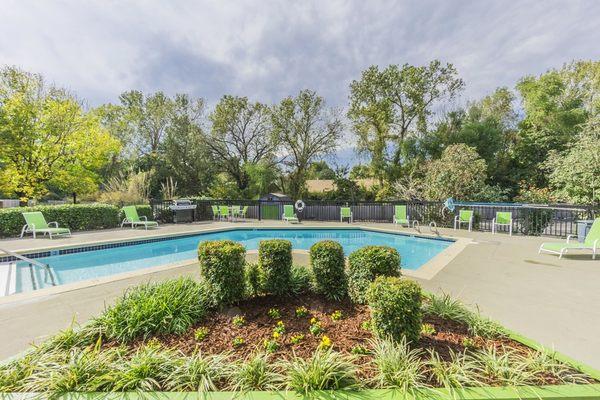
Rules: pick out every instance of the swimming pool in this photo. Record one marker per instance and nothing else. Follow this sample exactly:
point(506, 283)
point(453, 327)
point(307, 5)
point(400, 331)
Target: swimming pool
point(83, 265)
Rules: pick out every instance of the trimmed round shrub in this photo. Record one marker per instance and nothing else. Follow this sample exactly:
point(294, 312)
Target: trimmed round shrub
point(160, 308)
point(395, 305)
point(328, 262)
point(367, 263)
point(222, 268)
point(275, 262)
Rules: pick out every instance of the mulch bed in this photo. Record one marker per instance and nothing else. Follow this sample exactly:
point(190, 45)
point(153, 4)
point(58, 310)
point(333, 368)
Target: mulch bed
point(345, 334)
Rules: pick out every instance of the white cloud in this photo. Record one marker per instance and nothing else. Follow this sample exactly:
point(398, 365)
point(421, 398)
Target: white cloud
point(271, 49)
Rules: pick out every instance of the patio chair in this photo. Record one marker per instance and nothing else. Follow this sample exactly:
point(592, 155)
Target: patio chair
point(132, 217)
point(503, 218)
point(346, 212)
point(591, 242)
point(215, 211)
point(235, 212)
point(288, 214)
point(464, 217)
point(223, 213)
point(400, 216)
point(36, 223)
point(242, 213)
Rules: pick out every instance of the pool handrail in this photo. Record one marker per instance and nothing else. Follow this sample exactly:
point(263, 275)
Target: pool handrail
point(45, 267)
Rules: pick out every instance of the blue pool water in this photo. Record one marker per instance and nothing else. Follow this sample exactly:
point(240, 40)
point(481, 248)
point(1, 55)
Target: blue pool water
point(414, 251)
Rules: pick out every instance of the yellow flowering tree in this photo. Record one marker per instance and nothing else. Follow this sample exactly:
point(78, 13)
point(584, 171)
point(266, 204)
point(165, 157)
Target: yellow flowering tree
point(47, 140)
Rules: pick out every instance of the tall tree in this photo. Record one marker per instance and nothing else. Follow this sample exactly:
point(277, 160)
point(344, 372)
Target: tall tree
point(188, 160)
point(47, 139)
point(387, 106)
point(556, 104)
point(240, 135)
point(459, 173)
point(307, 130)
point(575, 172)
point(148, 116)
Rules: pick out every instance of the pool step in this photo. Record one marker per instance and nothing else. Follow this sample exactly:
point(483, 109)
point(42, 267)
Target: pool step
point(8, 279)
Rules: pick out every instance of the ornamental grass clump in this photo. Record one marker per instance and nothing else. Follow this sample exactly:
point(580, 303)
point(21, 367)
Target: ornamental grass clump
point(395, 308)
point(325, 370)
point(222, 268)
point(397, 365)
point(78, 370)
point(254, 373)
point(367, 263)
point(198, 373)
point(300, 280)
point(169, 307)
point(148, 369)
point(458, 372)
point(444, 306)
point(275, 263)
point(328, 266)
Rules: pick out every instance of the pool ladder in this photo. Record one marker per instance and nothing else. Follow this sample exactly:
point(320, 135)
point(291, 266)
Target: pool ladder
point(48, 274)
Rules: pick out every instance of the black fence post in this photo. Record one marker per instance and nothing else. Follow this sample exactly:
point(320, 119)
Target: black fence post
point(259, 210)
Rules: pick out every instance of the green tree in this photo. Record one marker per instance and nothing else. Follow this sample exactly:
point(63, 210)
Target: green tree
point(459, 173)
point(389, 105)
point(47, 139)
point(187, 160)
point(320, 170)
point(307, 130)
point(575, 172)
point(240, 135)
point(556, 104)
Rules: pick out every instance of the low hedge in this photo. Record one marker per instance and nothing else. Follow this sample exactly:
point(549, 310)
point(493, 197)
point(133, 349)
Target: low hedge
point(328, 263)
point(77, 217)
point(395, 308)
point(222, 268)
point(73, 216)
point(275, 262)
point(367, 263)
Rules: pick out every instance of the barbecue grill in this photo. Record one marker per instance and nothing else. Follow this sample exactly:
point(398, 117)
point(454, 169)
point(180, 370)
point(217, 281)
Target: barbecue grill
point(183, 210)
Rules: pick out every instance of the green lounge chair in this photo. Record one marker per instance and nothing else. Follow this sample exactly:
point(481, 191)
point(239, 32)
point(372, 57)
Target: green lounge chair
point(242, 213)
point(288, 214)
point(223, 213)
point(36, 223)
point(346, 212)
point(215, 211)
point(235, 212)
point(464, 217)
point(503, 218)
point(591, 242)
point(132, 217)
point(400, 216)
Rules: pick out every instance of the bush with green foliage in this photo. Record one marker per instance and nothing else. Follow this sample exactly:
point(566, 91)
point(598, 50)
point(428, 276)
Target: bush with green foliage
point(300, 280)
point(275, 262)
point(253, 279)
point(222, 269)
point(395, 308)
point(365, 264)
point(153, 309)
point(76, 217)
point(328, 266)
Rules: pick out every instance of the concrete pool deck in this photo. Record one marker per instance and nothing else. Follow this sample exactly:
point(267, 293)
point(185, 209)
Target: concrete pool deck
point(555, 302)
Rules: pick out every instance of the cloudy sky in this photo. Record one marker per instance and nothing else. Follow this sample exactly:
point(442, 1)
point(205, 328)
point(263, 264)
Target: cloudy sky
point(269, 49)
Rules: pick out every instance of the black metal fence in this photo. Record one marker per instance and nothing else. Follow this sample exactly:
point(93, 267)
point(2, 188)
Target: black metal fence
point(549, 220)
